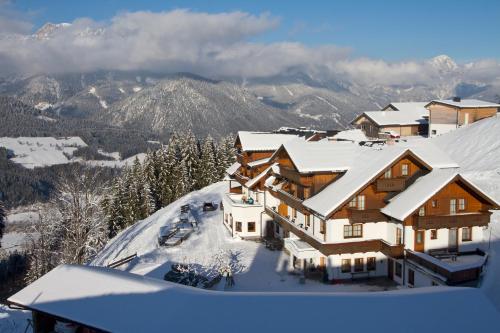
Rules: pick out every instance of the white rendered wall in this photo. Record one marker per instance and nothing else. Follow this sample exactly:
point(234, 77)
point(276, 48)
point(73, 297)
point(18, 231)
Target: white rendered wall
point(441, 128)
point(334, 263)
point(243, 214)
point(371, 230)
point(442, 241)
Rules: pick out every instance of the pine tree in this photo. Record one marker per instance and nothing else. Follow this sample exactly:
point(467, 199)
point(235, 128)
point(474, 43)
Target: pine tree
point(2, 221)
point(208, 173)
point(226, 155)
point(151, 170)
point(190, 155)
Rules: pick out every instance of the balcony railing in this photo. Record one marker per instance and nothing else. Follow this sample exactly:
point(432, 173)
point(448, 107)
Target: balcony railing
point(391, 184)
point(452, 275)
point(236, 200)
point(373, 245)
point(365, 215)
point(289, 199)
point(452, 221)
point(240, 178)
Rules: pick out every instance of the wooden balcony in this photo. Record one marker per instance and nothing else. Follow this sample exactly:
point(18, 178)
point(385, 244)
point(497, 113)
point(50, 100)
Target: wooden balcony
point(391, 184)
point(295, 176)
point(289, 199)
point(452, 221)
point(374, 245)
point(364, 216)
point(452, 277)
point(240, 178)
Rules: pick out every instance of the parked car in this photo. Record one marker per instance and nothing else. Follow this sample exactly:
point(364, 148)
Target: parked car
point(165, 233)
point(209, 206)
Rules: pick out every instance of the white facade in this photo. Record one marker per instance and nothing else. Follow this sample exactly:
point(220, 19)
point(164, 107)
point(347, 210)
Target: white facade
point(334, 265)
point(442, 241)
point(438, 129)
point(243, 219)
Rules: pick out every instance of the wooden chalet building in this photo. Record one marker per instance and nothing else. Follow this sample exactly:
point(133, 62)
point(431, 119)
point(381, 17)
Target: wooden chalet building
point(448, 115)
point(404, 211)
point(243, 204)
point(396, 119)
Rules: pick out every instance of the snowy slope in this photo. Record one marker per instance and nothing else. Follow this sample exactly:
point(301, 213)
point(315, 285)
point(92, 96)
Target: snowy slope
point(33, 152)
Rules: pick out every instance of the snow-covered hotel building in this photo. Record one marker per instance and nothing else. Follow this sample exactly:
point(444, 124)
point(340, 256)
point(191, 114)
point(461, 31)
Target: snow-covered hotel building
point(243, 205)
point(424, 118)
point(403, 211)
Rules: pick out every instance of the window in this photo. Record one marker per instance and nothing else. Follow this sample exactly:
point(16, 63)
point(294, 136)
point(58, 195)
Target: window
point(466, 234)
point(421, 211)
point(361, 202)
point(434, 234)
point(346, 266)
point(251, 226)
point(388, 173)
point(434, 284)
point(453, 206)
point(399, 236)
point(359, 265)
point(399, 268)
point(308, 220)
point(238, 226)
point(353, 231)
point(371, 264)
point(411, 277)
point(434, 203)
point(352, 203)
point(277, 228)
point(420, 236)
point(294, 213)
point(405, 169)
point(461, 204)
point(322, 227)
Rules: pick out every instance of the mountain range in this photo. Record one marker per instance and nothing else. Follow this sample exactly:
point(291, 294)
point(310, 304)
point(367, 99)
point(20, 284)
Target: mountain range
point(161, 103)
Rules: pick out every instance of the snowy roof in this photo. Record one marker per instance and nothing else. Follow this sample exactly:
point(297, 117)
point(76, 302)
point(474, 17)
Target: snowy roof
point(321, 156)
point(259, 162)
point(117, 301)
point(256, 179)
point(408, 106)
point(366, 164)
point(233, 168)
point(406, 202)
point(386, 118)
point(429, 152)
point(353, 134)
point(263, 141)
point(466, 103)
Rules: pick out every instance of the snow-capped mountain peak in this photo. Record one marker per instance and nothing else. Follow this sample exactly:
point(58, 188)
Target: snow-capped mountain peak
point(443, 63)
point(48, 29)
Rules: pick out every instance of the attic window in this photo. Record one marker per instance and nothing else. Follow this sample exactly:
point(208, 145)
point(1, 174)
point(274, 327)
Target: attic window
point(352, 203)
point(388, 173)
point(405, 169)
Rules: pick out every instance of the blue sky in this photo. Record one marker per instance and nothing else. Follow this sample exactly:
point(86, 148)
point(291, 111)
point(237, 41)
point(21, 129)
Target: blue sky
point(389, 30)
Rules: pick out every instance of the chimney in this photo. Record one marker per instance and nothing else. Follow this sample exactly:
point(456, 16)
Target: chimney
point(456, 99)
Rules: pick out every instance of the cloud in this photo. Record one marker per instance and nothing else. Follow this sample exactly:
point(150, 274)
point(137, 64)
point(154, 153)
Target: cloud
point(215, 45)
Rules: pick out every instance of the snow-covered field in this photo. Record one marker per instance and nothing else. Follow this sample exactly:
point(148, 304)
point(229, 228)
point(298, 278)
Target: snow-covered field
point(117, 163)
point(32, 152)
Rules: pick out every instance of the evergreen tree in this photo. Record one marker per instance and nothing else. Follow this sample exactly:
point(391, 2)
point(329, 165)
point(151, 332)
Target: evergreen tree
point(2, 221)
point(208, 173)
point(151, 170)
point(226, 155)
point(190, 155)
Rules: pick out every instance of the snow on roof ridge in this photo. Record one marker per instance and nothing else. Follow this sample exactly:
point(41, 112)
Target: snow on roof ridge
point(263, 141)
point(466, 103)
